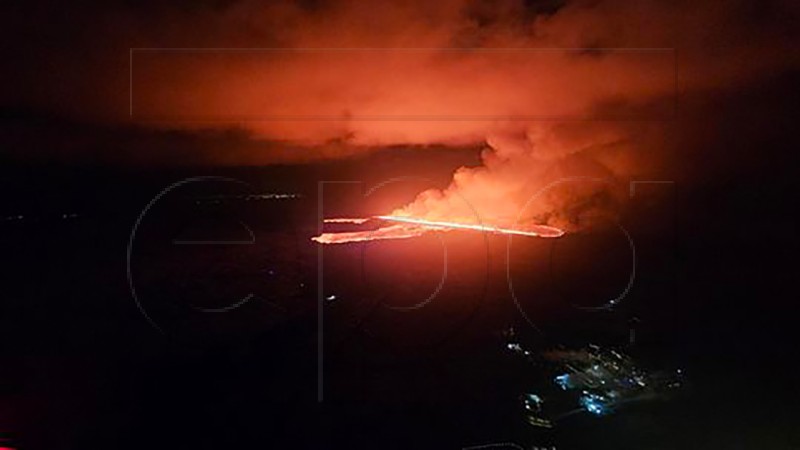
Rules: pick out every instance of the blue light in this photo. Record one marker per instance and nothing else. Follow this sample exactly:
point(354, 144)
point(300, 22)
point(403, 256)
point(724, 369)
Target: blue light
point(563, 381)
point(594, 409)
point(593, 404)
point(534, 398)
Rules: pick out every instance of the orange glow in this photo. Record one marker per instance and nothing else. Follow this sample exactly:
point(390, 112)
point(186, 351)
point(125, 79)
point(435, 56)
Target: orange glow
point(355, 220)
point(408, 227)
point(532, 231)
point(390, 232)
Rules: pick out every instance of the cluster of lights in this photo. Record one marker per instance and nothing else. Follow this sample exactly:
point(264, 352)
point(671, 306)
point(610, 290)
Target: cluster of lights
point(593, 403)
point(533, 402)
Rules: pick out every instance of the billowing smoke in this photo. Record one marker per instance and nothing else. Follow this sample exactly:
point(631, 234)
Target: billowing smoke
point(553, 89)
point(623, 57)
point(553, 175)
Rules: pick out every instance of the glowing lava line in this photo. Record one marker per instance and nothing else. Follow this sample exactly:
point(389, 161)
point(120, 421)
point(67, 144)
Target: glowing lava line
point(537, 231)
point(407, 227)
point(396, 231)
point(355, 220)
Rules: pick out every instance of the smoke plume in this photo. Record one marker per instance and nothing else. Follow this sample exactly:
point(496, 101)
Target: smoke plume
point(554, 89)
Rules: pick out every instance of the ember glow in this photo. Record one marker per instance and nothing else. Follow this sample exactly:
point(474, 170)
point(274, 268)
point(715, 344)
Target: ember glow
point(533, 231)
point(408, 227)
point(354, 220)
point(397, 231)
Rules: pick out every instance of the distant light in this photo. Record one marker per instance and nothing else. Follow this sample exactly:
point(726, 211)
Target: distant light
point(594, 409)
point(330, 298)
point(534, 398)
point(533, 402)
point(592, 403)
point(513, 346)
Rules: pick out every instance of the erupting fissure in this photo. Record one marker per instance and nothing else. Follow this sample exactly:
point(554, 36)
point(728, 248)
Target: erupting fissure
point(403, 227)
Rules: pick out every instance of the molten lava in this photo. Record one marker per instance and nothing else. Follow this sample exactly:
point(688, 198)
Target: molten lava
point(390, 232)
point(355, 220)
point(534, 230)
point(403, 227)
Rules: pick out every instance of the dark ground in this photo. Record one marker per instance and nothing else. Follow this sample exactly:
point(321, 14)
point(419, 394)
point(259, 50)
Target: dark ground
point(82, 368)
